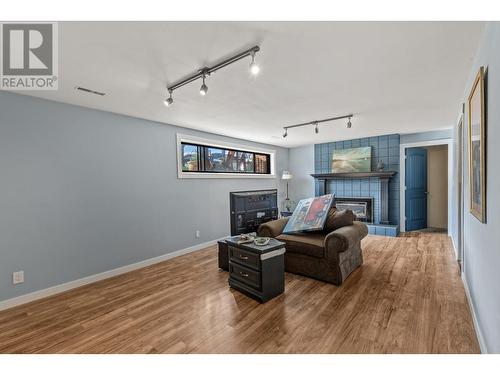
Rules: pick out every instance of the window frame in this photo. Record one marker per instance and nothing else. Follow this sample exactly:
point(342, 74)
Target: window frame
point(207, 143)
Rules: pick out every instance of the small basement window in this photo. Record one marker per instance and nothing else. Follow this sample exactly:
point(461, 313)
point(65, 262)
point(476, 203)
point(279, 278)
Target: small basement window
point(197, 157)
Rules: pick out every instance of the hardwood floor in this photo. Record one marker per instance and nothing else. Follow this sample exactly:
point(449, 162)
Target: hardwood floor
point(406, 298)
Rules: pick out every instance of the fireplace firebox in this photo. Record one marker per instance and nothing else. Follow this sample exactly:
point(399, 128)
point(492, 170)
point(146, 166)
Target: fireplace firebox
point(362, 207)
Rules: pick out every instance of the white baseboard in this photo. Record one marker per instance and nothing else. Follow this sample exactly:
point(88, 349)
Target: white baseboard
point(454, 247)
point(477, 328)
point(56, 289)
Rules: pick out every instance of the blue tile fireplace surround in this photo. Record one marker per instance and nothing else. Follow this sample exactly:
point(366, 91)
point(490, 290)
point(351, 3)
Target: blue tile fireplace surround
point(384, 148)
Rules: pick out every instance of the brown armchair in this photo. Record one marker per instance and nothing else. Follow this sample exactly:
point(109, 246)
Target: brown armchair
point(329, 257)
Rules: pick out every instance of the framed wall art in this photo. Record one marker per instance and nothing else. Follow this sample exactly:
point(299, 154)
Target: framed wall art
point(477, 147)
point(352, 160)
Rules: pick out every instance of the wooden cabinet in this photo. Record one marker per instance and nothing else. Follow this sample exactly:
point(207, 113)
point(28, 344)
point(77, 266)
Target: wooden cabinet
point(257, 271)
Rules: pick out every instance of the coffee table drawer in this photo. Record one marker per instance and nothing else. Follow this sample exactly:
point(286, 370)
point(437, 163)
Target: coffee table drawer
point(244, 257)
point(244, 275)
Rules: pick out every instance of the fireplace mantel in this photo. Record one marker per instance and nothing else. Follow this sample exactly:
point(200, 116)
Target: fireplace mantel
point(383, 177)
point(333, 176)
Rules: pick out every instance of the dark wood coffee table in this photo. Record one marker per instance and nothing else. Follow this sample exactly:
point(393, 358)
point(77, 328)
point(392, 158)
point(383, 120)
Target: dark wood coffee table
point(257, 271)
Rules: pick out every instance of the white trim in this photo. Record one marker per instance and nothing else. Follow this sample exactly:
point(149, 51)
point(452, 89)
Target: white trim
point(209, 142)
point(460, 214)
point(479, 334)
point(455, 250)
point(402, 177)
point(56, 289)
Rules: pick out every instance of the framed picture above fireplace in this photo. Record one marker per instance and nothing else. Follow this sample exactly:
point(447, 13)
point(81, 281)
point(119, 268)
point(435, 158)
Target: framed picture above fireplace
point(352, 160)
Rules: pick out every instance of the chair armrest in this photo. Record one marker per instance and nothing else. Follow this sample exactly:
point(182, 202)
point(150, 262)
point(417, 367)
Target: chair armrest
point(343, 238)
point(272, 228)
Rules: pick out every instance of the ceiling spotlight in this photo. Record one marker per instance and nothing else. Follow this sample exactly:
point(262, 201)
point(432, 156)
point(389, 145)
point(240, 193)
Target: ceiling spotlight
point(285, 133)
point(203, 88)
point(169, 100)
point(254, 68)
point(209, 70)
point(317, 122)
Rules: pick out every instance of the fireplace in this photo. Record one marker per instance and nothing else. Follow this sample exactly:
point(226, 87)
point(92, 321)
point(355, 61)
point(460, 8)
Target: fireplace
point(362, 207)
point(381, 190)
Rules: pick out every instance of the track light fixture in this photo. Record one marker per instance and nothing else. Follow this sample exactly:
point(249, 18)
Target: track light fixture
point(169, 100)
point(203, 88)
point(316, 122)
point(206, 71)
point(254, 68)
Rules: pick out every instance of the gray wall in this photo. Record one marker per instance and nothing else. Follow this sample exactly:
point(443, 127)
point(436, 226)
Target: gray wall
point(482, 241)
point(301, 164)
point(85, 191)
point(426, 136)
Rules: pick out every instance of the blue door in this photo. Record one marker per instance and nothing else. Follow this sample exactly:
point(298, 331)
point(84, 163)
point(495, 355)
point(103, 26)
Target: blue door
point(416, 188)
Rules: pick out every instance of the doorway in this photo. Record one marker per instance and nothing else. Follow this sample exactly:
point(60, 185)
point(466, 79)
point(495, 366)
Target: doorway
point(416, 201)
point(425, 191)
point(437, 188)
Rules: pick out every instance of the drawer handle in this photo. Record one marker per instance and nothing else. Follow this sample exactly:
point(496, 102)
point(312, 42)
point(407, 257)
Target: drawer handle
point(244, 274)
point(244, 257)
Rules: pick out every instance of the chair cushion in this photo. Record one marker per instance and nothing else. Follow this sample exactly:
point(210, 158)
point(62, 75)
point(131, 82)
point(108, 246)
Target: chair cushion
point(330, 217)
point(311, 244)
point(338, 219)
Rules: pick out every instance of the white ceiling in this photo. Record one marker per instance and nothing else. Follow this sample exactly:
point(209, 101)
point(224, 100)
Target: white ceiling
point(396, 77)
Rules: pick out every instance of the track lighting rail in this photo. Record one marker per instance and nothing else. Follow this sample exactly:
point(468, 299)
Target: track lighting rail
point(206, 71)
point(316, 122)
